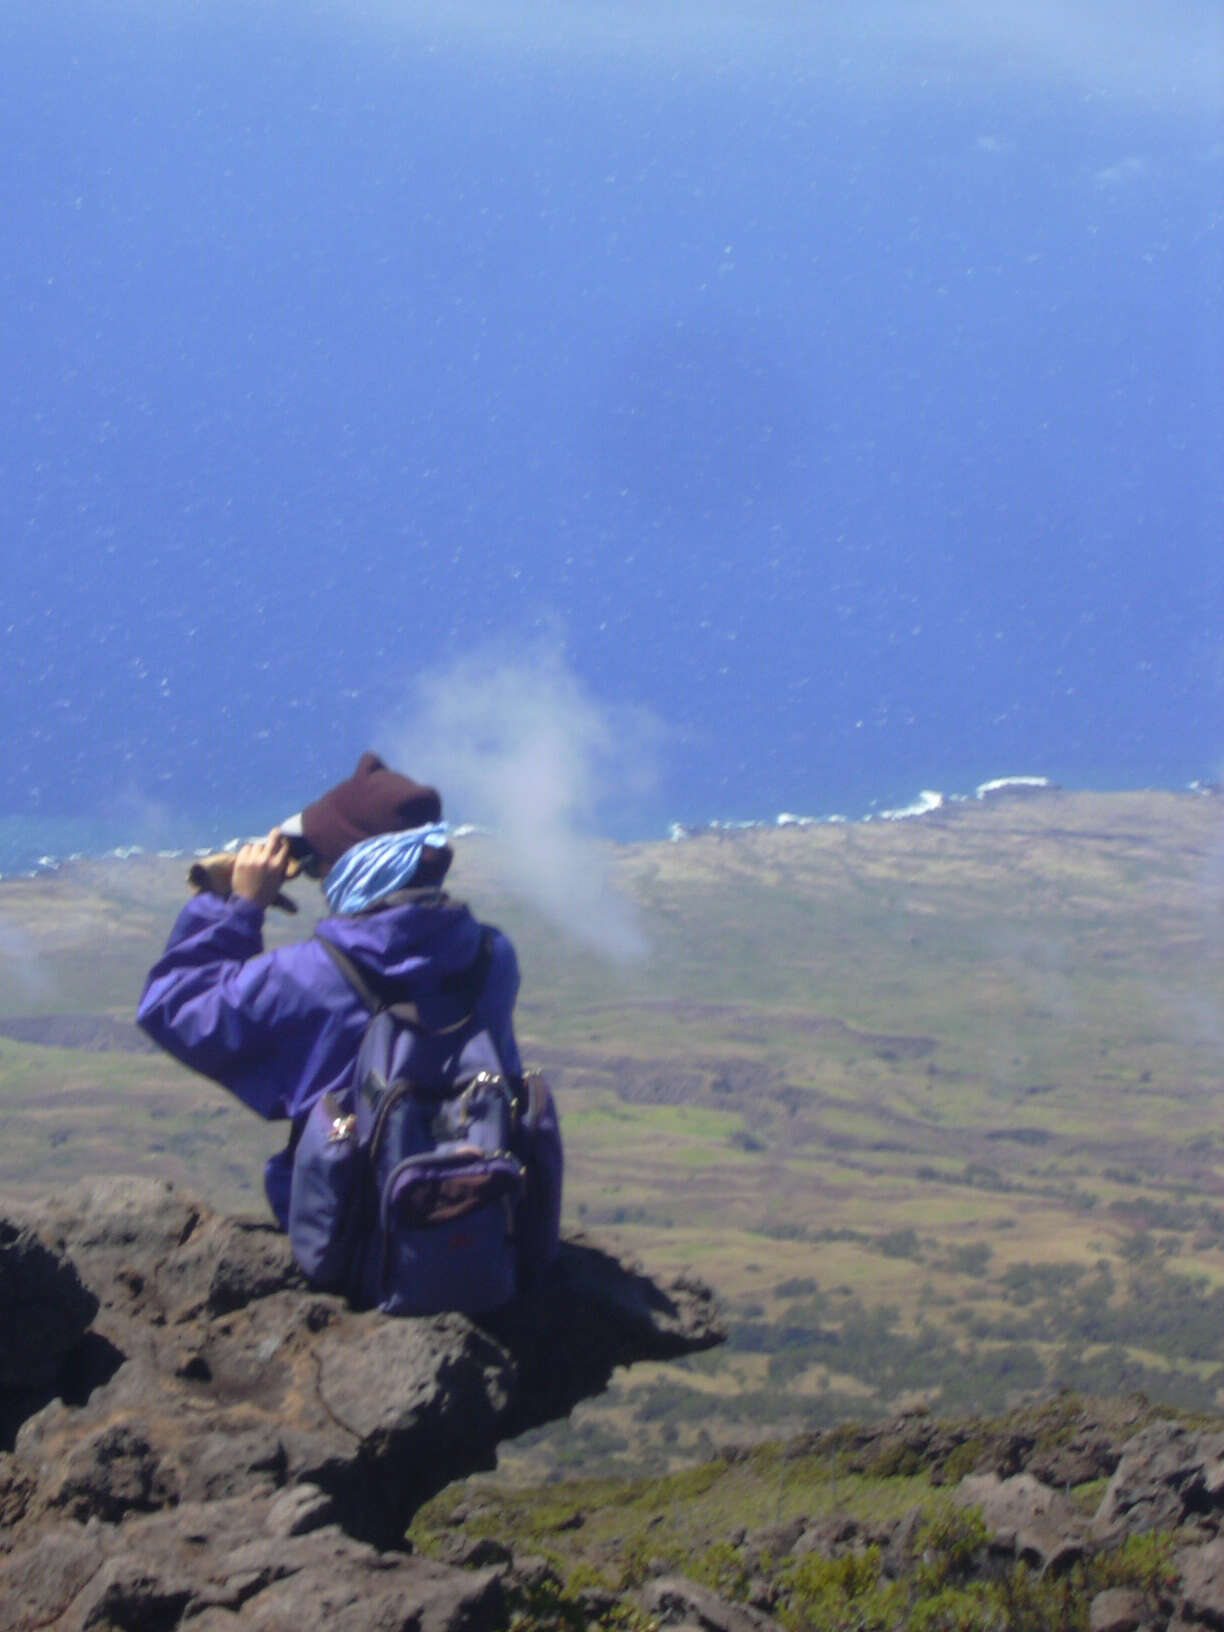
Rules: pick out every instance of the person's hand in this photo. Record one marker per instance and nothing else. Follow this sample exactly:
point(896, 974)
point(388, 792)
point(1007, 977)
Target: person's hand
point(260, 867)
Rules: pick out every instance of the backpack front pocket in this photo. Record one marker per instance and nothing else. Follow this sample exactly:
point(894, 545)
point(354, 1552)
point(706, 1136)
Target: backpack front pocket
point(448, 1233)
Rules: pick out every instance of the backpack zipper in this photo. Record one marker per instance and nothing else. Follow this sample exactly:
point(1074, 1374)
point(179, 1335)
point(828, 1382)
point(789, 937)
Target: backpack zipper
point(395, 1092)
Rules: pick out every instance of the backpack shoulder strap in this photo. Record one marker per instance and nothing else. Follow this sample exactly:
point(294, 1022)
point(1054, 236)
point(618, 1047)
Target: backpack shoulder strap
point(374, 1003)
point(464, 983)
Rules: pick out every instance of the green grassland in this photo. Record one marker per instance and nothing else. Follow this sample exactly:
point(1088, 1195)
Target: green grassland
point(933, 1104)
point(733, 1523)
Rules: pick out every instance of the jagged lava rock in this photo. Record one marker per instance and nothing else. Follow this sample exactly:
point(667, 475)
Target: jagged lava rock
point(676, 1602)
point(1026, 1517)
point(1168, 1473)
point(46, 1309)
point(218, 1399)
point(1117, 1609)
point(1202, 1583)
point(220, 1565)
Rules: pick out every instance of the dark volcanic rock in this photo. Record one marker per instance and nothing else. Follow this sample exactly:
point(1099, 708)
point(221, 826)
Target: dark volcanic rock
point(1202, 1572)
point(113, 1471)
point(830, 1536)
point(236, 1444)
point(44, 1314)
point(676, 1602)
point(774, 1541)
point(1027, 1518)
point(1090, 1452)
point(1167, 1473)
point(1117, 1609)
point(596, 1313)
point(210, 1565)
point(46, 1309)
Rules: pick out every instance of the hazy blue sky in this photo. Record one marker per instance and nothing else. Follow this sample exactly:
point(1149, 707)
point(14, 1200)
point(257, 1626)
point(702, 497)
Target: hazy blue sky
point(844, 394)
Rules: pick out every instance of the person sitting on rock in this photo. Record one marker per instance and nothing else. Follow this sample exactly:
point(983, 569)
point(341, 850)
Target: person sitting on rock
point(279, 1029)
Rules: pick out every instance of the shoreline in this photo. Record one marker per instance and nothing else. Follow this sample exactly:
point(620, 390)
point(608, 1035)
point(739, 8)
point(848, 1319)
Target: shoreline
point(928, 802)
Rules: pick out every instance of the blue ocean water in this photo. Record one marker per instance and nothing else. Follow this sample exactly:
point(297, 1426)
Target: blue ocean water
point(843, 391)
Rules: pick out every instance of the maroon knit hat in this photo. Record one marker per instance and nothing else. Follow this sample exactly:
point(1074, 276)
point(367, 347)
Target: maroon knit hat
point(373, 800)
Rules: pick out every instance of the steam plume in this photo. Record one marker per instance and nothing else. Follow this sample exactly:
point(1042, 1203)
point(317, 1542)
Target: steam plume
point(22, 966)
point(520, 747)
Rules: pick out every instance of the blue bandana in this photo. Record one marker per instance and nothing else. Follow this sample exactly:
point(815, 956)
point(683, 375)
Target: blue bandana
point(379, 866)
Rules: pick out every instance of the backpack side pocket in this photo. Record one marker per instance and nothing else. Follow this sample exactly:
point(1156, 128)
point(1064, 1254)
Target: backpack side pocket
point(539, 1144)
point(324, 1196)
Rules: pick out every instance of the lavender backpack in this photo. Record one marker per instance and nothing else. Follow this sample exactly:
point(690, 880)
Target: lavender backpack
point(433, 1181)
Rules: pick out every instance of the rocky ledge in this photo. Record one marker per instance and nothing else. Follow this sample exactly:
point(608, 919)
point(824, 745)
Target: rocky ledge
point(193, 1436)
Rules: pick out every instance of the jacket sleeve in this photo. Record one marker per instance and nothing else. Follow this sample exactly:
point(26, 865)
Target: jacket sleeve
point(221, 1005)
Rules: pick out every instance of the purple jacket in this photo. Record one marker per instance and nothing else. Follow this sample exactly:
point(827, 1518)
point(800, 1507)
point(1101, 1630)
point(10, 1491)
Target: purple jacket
point(281, 1028)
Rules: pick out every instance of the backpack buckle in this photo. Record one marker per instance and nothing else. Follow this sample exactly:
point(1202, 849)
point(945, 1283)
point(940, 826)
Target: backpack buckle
point(480, 1084)
point(342, 1128)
